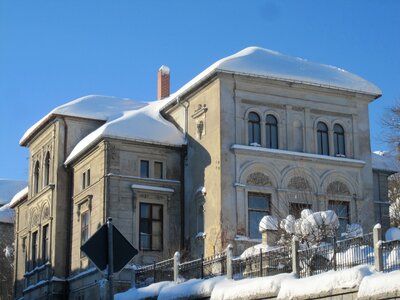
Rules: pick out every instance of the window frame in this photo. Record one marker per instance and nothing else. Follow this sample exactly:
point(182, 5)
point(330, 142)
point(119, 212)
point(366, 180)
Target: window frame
point(45, 243)
point(150, 221)
point(339, 140)
point(331, 204)
point(34, 249)
point(271, 126)
point(161, 170)
point(266, 211)
point(84, 228)
point(36, 177)
point(322, 139)
point(141, 164)
point(252, 125)
point(46, 174)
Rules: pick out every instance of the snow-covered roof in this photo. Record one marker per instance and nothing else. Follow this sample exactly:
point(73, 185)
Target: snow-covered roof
point(7, 214)
point(8, 188)
point(385, 161)
point(94, 107)
point(260, 62)
point(144, 124)
point(19, 196)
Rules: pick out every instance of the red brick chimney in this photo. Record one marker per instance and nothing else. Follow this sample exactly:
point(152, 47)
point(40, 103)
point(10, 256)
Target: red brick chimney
point(163, 82)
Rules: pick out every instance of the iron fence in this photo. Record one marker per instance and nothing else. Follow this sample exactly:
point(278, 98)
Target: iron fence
point(161, 271)
point(265, 263)
point(191, 269)
point(337, 255)
point(391, 255)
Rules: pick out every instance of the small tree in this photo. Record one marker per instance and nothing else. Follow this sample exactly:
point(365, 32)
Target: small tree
point(311, 228)
point(394, 213)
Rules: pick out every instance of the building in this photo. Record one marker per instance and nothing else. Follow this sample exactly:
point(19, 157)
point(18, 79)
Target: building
point(7, 219)
point(255, 133)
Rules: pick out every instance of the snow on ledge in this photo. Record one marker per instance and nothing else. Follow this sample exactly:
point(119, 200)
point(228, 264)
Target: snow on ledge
point(380, 286)
point(18, 197)
point(151, 188)
point(305, 156)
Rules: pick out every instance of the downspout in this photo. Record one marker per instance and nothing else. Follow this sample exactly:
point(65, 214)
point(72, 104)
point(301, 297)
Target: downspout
point(183, 157)
point(234, 155)
point(16, 251)
point(106, 182)
point(69, 206)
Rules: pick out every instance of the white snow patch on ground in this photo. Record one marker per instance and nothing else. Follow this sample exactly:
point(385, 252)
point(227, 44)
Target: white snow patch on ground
point(253, 288)
point(324, 284)
point(150, 291)
point(193, 288)
point(255, 250)
point(380, 285)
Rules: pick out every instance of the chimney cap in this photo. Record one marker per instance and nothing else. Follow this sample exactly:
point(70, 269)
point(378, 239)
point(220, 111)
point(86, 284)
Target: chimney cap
point(164, 70)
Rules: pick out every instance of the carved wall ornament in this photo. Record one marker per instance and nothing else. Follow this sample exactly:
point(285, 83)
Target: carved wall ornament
point(338, 188)
point(46, 212)
point(299, 183)
point(258, 178)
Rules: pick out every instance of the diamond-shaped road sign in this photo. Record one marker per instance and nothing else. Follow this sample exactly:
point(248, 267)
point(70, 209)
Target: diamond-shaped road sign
point(96, 248)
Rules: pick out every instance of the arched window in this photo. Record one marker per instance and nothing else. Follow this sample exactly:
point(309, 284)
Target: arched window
point(338, 137)
point(46, 178)
point(271, 126)
point(254, 129)
point(322, 138)
point(36, 173)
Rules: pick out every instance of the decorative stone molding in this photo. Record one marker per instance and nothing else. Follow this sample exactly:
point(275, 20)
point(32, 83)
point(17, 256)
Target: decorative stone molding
point(338, 188)
point(258, 178)
point(299, 183)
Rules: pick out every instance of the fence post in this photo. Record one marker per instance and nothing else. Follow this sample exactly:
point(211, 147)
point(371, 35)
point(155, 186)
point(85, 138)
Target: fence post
point(229, 255)
point(377, 237)
point(295, 257)
point(177, 260)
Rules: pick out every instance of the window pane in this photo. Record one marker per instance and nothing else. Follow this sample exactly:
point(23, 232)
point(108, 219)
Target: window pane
point(145, 241)
point(88, 177)
point(83, 180)
point(144, 168)
point(144, 211)
point(260, 202)
point(254, 221)
point(254, 130)
point(156, 211)
point(145, 226)
point(158, 170)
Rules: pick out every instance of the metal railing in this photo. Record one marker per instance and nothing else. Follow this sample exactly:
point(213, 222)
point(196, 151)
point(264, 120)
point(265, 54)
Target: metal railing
point(265, 263)
point(161, 271)
point(391, 255)
point(337, 255)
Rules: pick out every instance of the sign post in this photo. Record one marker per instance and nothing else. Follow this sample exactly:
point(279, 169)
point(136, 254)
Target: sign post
point(110, 268)
point(110, 251)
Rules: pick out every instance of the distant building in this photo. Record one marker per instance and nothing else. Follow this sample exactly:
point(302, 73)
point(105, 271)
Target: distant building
point(8, 188)
point(256, 133)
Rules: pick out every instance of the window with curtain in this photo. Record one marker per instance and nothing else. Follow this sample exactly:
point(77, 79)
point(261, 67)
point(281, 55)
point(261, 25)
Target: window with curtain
point(271, 126)
point(254, 129)
point(322, 138)
point(338, 138)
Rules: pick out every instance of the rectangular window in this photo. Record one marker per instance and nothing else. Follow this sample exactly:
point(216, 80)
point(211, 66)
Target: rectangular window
point(45, 243)
point(24, 254)
point(144, 168)
point(83, 180)
point(34, 249)
point(151, 227)
point(258, 207)
point(295, 209)
point(85, 220)
point(342, 210)
point(158, 170)
point(88, 177)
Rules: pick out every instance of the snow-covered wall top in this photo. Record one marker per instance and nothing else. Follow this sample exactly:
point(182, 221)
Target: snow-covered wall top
point(260, 62)
point(8, 188)
point(144, 125)
point(19, 196)
point(385, 161)
point(90, 107)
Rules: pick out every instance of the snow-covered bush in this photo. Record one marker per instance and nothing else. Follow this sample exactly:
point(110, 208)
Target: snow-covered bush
point(311, 228)
point(394, 213)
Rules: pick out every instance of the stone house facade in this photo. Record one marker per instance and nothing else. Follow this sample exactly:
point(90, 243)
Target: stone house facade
point(241, 141)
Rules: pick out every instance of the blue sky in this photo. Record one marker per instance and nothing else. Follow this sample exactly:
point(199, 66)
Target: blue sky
point(55, 51)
